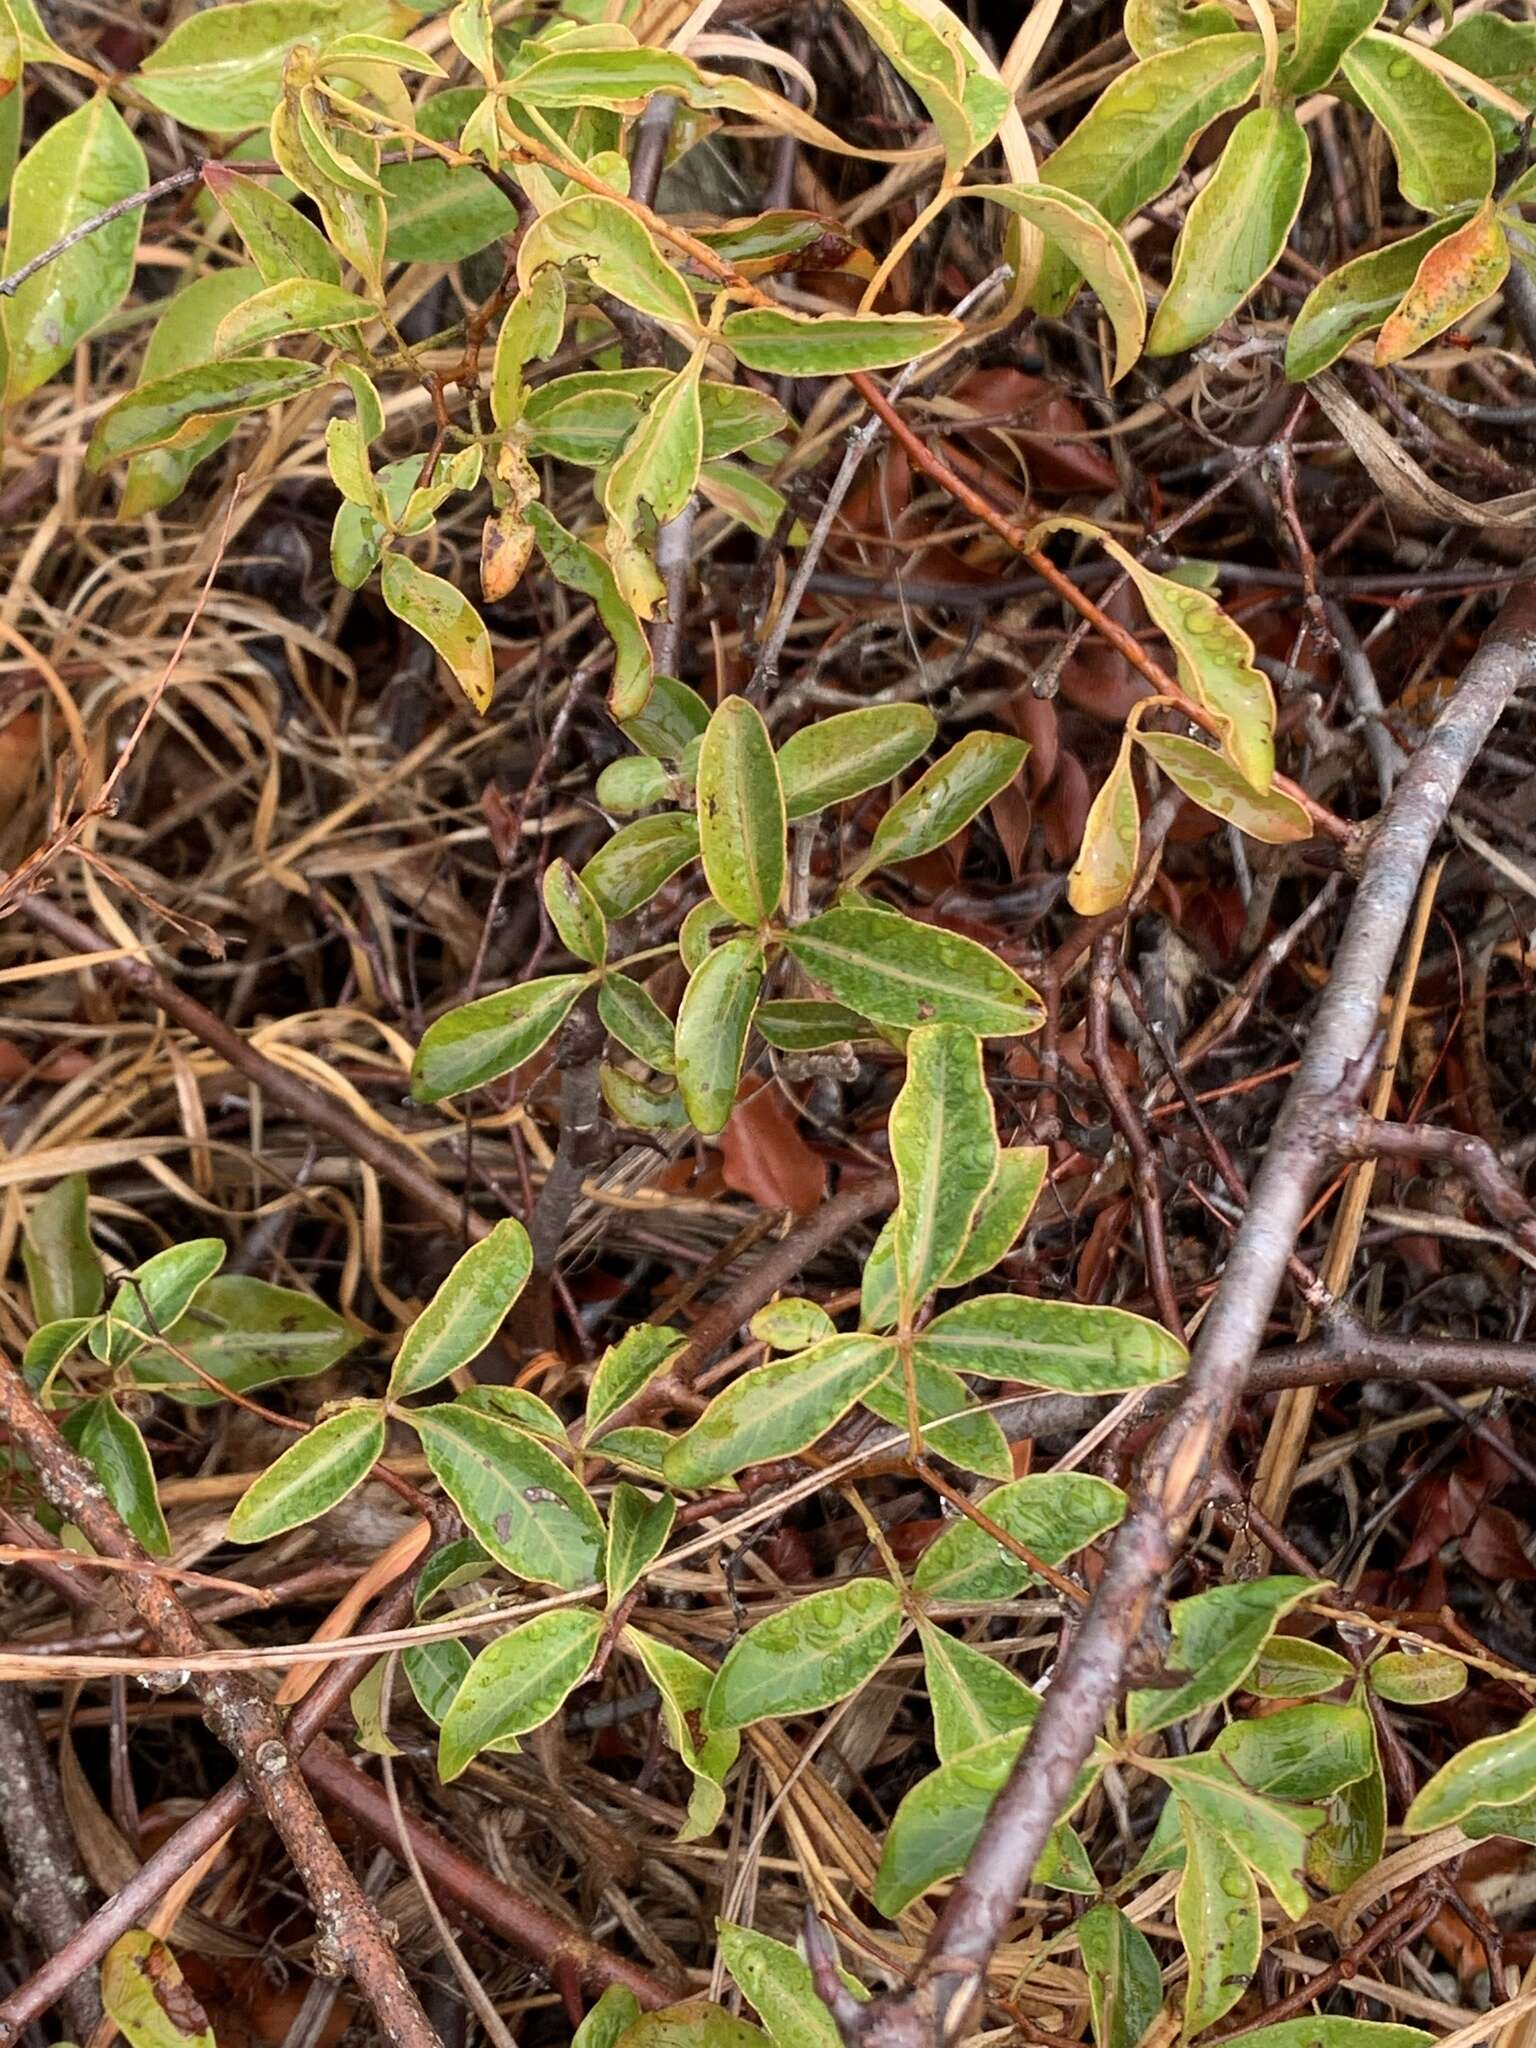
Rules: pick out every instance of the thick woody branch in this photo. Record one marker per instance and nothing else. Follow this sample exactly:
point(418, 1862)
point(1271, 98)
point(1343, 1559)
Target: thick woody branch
point(50, 1889)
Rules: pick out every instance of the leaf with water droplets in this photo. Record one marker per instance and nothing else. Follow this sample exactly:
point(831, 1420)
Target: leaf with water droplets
point(943, 800)
point(1125, 1985)
point(514, 1494)
point(943, 1139)
point(895, 971)
point(1105, 867)
point(1453, 279)
point(741, 813)
point(1444, 151)
point(779, 1408)
point(1217, 1637)
point(1050, 1514)
point(517, 1683)
point(1219, 1922)
point(809, 1655)
point(310, 1477)
point(466, 1311)
point(972, 1697)
point(1052, 1344)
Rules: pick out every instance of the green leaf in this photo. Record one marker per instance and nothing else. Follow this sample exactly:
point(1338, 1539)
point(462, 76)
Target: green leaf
point(929, 46)
point(1504, 53)
point(1217, 1637)
point(634, 783)
point(778, 1409)
point(943, 1139)
point(803, 1024)
point(792, 1324)
point(587, 417)
point(49, 1346)
point(519, 1407)
point(1219, 1921)
point(1210, 780)
point(1105, 867)
point(1417, 1678)
point(582, 569)
point(741, 813)
point(1087, 241)
point(950, 1426)
point(485, 1039)
point(1052, 1514)
point(180, 410)
point(747, 497)
point(1444, 151)
point(447, 621)
point(575, 913)
point(1328, 2030)
point(894, 971)
point(1135, 140)
point(245, 1333)
point(684, 1684)
point(516, 1683)
point(785, 344)
point(693, 2025)
point(639, 1024)
point(1125, 1986)
point(222, 70)
point(1498, 1771)
point(295, 305)
point(1325, 30)
point(466, 1311)
point(1236, 228)
point(1271, 1837)
point(808, 1655)
point(639, 858)
point(458, 1563)
point(972, 1697)
point(1453, 279)
point(943, 800)
point(778, 1984)
point(1354, 299)
point(310, 1477)
point(1292, 1668)
point(441, 213)
point(146, 1997)
point(657, 467)
point(533, 326)
point(153, 1296)
point(605, 2024)
point(183, 337)
point(357, 538)
point(712, 1025)
point(77, 168)
point(1307, 1752)
point(1001, 1212)
point(638, 1528)
point(1052, 1344)
point(63, 1266)
point(514, 1495)
point(627, 1367)
point(618, 252)
point(841, 757)
point(116, 1452)
point(673, 717)
point(1352, 1838)
point(1152, 26)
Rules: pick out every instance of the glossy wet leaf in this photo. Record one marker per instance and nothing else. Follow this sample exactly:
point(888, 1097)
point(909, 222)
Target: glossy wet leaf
point(777, 1983)
point(839, 757)
point(894, 971)
point(311, 1476)
point(183, 338)
point(627, 1367)
point(1325, 30)
point(63, 1266)
point(575, 913)
point(1236, 228)
point(656, 469)
point(518, 1406)
point(517, 1682)
point(784, 344)
point(1135, 139)
point(245, 1333)
point(583, 569)
point(1001, 1213)
point(447, 621)
point(638, 1104)
point(1353, 1836)
point(1268, 1833)
point(741, 813)
point(1304, 1752)
point(1217, 1637)
point(175, 411)
point(807, 1656)
point(1503, 52)
point(747, 496)
point(671, 719)
point(1444, 150)
point(944, 799)
point(466, 1311)
point(1051, 1514)
point(1333, 2030)
point(638, 1528)
point(778, 1409)
point(1152, 26)
point(694, 2024)
point(951, 1427)
point(712, 1026)
point(1354, 299)
point(1497, 1771)
point(1417, 1678)
point(111, 1444)
point(1210, 780)
point(636, 1020)
point(154, 1295)
point(605, 2025)
point(634, 782)
point(1293, 1668)
point(617, 251)
point(1125, 1985)
point(804, 1024)
point(928, 45)
point(221, 70)
point(972, 1697)
point(627, 871)
point(1053, 1344)
point(146, 1997)
point(49, 1346)
point(684, 1683)
point(296, 305)
point(1088, 241)
point(1453, 279)
point(77, 168)
point(943, 1139)
point(1105, 866)
point(1219, 1922)
point(514, 1494)
point(792, 1324)
point(441, 213)
point(485, 1039)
